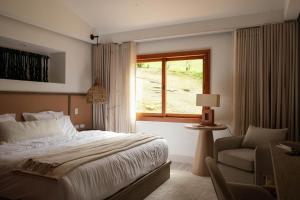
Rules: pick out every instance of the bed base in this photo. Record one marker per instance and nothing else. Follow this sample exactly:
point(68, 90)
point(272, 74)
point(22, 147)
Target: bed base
point(142, 187)
point(145, 185)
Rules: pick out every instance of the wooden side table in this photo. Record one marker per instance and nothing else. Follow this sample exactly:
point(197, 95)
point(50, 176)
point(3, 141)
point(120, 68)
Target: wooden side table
point(204, 146)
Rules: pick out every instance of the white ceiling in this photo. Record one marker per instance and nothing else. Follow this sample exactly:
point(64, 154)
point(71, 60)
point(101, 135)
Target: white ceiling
point(112, 16)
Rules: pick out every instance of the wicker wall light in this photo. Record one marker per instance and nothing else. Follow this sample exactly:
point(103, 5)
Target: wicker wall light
point(96, 94)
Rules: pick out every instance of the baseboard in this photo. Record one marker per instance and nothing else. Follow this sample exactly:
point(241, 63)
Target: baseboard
point(181, 159)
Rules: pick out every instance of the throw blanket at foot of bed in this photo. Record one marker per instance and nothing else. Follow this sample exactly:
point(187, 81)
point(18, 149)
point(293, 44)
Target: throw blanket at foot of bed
point(57, 164)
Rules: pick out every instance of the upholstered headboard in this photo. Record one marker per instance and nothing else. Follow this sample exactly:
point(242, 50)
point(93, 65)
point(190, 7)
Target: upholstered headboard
point(19, 102)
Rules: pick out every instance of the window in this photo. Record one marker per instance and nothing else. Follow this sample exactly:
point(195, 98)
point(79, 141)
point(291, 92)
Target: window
point(167, 84)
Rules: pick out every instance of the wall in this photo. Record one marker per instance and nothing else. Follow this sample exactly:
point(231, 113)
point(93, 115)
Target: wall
point(227, 24)
point(182, 142)
point(52, 15)
point(57, 68)
point(78, 57)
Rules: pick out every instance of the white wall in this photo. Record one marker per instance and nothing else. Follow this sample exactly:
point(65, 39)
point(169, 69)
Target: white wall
point(182, 142)
point(227, 24)
point(52, 15)
point(292, 9)
point(57, 68)
point(78, 57)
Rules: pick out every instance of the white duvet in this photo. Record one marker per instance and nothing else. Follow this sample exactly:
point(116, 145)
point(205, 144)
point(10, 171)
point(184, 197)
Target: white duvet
point(95, 180)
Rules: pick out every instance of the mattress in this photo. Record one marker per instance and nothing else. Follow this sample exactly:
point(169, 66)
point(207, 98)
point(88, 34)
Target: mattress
point(95, 180)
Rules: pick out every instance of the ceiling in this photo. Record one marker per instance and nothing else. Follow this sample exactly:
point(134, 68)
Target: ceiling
point(113, 16)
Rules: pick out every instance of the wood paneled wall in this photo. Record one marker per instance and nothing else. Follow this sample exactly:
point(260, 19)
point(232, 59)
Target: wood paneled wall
point(19, 102)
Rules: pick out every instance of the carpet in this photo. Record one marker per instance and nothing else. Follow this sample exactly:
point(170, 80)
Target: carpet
point(184, 185)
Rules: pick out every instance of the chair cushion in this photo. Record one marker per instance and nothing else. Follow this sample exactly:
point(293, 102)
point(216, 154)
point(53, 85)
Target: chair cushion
point(256, 136)
point(239, 158)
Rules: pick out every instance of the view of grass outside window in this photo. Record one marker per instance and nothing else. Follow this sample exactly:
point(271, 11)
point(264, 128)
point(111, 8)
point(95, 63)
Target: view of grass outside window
point(184, 79)
point(149, 87)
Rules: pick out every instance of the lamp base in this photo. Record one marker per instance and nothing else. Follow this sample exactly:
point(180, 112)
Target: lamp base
point(208, 117)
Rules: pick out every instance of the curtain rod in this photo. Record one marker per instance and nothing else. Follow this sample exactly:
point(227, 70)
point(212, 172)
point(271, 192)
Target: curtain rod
point(257, 26)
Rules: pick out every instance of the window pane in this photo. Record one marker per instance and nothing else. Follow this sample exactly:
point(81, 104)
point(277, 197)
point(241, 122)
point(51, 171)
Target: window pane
point(148, 87)
point(184, 81)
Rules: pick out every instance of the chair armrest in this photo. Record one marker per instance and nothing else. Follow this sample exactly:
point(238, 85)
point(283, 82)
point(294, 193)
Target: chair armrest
point(262, 164)
point(225, 143)
point(249, 192)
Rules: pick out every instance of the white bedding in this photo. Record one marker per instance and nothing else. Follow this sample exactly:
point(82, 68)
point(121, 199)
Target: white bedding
point(95, 180)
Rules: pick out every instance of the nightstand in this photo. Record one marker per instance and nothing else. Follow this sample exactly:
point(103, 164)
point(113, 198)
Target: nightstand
point(204, 146)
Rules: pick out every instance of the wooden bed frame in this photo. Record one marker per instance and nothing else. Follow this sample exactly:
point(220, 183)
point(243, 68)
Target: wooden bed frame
point(19, 102)
point(145, 185)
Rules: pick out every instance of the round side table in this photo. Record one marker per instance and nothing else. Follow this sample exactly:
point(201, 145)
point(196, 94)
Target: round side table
point(204, 146)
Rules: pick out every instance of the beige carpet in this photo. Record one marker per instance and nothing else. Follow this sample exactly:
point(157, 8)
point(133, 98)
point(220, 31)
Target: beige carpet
point(183, 185)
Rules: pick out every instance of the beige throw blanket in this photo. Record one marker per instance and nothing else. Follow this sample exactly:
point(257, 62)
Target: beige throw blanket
point(57, 164)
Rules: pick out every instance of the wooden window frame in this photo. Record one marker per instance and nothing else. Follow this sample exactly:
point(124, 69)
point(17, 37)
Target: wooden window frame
point(164, 57)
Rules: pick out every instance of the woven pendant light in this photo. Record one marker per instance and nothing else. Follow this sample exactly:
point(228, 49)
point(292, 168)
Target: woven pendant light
point(96, 94)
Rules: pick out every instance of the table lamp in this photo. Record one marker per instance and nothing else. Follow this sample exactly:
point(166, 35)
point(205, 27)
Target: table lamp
point(208, 100)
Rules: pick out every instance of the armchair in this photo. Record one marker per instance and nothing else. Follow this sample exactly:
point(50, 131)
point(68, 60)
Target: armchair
point(247, 159)
point(231, 191)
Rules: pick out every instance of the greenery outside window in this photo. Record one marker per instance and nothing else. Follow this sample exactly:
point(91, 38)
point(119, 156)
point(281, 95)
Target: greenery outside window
point(167, 84)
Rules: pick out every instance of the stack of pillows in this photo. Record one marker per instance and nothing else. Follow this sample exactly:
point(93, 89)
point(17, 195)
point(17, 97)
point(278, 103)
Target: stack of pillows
point(36, 125)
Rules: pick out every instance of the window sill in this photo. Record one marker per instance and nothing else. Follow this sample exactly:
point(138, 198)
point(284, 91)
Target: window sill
point(170, 119)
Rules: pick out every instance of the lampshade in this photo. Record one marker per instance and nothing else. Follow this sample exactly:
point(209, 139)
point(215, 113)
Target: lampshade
point(96, 94)
point(210, 100)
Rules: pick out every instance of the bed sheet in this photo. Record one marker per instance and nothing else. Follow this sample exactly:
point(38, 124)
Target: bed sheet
point(95, 180)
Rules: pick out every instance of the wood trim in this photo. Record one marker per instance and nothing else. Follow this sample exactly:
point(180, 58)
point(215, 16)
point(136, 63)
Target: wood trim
point(164, 57)
point(145, 185)
point(149, 60)
point(173, 54)
point(42, 93)
point(183, 115)
point(149, 115)
point(170, 119)
point(171, 59)
point(19, 102)
point(168, 115)
point(185, 58)
point(69, 105)
point(185, 118)
point(206, 73)
point(164, 80)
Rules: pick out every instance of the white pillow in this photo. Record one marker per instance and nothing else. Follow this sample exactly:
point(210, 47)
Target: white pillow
point(18, 131)
point(8, 117)
point(42, 115)
point(66, 125)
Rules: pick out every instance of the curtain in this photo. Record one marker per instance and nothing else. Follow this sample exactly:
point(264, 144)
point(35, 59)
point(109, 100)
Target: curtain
point(101, 65)
point(21, 65)
point(114, 65)
point(267, 78)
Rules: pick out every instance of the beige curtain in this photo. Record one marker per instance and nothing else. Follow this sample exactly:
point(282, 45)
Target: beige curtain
point(114, 65)
point(267, 78)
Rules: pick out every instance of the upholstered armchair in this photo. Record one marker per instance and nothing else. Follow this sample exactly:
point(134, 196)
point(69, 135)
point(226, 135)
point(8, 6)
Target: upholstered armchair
point(247, 159)
point(231, 191)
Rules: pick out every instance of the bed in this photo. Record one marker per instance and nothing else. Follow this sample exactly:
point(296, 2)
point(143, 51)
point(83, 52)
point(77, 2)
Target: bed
point(129, 174)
